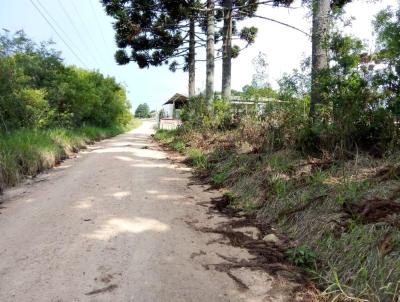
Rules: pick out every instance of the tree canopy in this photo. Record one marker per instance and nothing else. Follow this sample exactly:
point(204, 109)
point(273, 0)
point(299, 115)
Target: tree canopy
point(150, 33)
point(38, 90)
point(142, 111)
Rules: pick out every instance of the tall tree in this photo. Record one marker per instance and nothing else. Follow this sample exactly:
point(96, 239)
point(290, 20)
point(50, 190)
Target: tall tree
point(235, 10)
point(319, 56)
point(387, 26)
point(210, 53)
point(192, 56)
point(157, 32)
point(227, 50)
point(142, 111)
point(321, 10)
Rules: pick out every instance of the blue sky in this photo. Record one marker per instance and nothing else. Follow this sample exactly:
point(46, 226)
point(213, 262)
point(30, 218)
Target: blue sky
point(85, 27)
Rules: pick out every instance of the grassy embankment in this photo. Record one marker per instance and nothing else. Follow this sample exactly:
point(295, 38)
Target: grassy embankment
point(27, 152)
point(344, 214)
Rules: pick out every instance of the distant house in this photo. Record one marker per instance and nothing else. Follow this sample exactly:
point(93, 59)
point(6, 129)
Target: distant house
point(170, 113)
point(173, 106)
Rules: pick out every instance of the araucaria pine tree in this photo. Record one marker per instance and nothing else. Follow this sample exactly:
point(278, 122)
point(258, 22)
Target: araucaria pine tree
point(156, 33)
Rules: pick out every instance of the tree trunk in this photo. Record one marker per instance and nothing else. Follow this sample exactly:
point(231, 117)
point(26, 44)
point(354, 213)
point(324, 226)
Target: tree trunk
point(192, 58)
point(320, 31)
point(210, 53)
point(227, 50)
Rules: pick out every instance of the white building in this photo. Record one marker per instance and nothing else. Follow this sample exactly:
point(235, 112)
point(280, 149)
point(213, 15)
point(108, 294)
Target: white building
point(170, 113)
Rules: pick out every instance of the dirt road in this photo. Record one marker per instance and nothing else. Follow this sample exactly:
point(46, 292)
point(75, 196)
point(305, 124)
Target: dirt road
point(116, 224)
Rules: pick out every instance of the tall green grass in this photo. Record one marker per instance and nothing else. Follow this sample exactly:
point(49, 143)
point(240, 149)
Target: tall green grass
point(27, 152)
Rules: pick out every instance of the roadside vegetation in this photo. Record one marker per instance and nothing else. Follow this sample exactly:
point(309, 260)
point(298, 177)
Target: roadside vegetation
point(49, 110)
point(330, 180)
point(142, 111)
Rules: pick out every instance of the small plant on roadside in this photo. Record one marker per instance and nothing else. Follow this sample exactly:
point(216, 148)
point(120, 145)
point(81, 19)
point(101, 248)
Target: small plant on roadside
point(278, 162)
point(303, 257)
point(231, 197)
point(280, 188)
point(219, 178)
point(165, 136)
point(250, 207)
point(198, 159)
point(178, 145)
point(350, 191)
point(318, 177)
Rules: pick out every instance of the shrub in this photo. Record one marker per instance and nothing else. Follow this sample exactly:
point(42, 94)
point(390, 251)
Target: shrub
point(38, 91)
point(303, 257)
point(198, 158)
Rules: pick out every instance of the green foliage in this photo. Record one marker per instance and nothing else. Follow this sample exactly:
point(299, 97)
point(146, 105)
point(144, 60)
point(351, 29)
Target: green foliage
point(248, 34)
point(247, 191)
point(295, 86)
point(360, 100)
point(179, 145)
point(231, 198)
point(142, 111)
point(38, 91)
point(280, 188)
point(146, 37)
point(351, 103)
point(350, 191)
point(235, 51)
point(255, 92)
point(171, 138)
point(303, 257)
point(387, 26)
point(222, 116)
point(166, 136)
point(355, 110)
point(219, 178)
point(46, 107)
point(279, 162)
point(197, 113)
point(361, 269)
point(198, 158)
point(152, 37)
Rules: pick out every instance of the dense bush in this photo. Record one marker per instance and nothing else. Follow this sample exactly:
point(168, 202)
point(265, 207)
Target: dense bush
point(387, 26)
point(353, 112)
point(37, 90)
point(196, 114)
point(48, 109)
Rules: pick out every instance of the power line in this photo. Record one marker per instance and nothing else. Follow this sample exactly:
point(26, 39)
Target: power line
point(98, 23)
point(99, 27)
point(54, 21)
point(58, 34)
point(83, 23)
point(57, 25)
point(82, 40)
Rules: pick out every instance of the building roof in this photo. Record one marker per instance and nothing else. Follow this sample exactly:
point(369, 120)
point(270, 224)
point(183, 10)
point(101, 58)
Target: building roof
point(177, 99)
